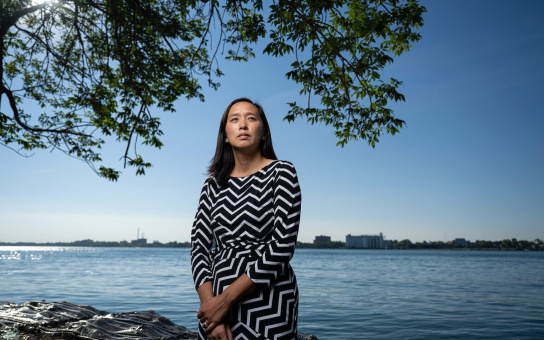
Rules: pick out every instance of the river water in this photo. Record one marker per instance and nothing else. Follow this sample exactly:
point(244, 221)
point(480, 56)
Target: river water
point(345, 294)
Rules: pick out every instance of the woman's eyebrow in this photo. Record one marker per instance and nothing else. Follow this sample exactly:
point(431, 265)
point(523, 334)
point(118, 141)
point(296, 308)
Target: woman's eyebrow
point(239, 113)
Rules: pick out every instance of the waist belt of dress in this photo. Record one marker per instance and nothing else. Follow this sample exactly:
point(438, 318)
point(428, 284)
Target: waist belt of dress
point(249, 250)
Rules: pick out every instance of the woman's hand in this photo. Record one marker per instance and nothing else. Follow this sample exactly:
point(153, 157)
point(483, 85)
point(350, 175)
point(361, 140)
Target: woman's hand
point(213, 311)
point(221, 332)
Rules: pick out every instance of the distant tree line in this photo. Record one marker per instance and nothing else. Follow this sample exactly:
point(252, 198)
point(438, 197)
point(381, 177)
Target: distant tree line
point(506, 244)
point(332, 244)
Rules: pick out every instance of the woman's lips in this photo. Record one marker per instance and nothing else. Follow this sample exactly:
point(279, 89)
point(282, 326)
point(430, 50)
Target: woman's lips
point(243, 136)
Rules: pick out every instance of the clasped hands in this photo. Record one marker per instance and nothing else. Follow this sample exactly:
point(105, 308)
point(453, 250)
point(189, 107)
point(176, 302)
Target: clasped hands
point(211, 315)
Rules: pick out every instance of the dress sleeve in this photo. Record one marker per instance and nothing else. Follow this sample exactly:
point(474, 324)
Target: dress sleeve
point(287, 199)
point(201, 240)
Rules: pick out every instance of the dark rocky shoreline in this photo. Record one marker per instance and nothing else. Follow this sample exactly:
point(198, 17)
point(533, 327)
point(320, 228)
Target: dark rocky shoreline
point(64, 320)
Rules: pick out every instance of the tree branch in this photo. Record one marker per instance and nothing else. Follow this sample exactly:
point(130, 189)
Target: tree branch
point(16, 151)
point(12, 20)
point(17, 117)
point(212, 7)
point(44, 44)
point(148, 14)
point(130, 136)
point(318, 33)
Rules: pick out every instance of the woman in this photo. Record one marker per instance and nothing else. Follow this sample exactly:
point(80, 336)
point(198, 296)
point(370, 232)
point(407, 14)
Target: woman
point(249, 209)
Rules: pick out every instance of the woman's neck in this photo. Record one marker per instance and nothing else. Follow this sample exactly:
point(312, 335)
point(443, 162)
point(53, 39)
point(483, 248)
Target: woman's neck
point(246, 165)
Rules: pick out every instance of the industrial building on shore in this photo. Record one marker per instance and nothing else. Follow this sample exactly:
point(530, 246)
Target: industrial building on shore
point(368, 242)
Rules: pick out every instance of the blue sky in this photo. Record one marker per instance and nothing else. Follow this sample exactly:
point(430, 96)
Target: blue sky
point(468, 164)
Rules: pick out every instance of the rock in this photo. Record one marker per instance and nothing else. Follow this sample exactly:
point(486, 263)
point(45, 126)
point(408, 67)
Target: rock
point(64, 320)
point(301, 336)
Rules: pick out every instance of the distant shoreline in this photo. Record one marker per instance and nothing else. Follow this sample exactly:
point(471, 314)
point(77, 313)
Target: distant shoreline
point(490, 246)
point(92, 244)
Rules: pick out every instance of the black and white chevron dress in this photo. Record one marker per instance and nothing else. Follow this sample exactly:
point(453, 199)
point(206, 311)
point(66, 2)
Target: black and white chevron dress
point(254, 225)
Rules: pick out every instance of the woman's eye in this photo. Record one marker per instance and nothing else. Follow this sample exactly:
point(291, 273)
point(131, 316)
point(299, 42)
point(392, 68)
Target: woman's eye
point(234, 119)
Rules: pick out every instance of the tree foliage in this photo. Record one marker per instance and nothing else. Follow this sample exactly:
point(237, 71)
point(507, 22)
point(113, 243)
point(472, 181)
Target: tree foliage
point(97, 68)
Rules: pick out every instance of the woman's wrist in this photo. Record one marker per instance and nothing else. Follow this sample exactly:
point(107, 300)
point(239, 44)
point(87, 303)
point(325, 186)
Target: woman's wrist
point(204, 300)
point(205, 292)
point(228, 298)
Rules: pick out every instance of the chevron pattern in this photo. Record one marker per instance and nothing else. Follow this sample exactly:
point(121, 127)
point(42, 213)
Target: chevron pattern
point(251, 227)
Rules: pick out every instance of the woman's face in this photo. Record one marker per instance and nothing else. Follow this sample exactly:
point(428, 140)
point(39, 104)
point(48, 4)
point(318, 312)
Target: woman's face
point(244, 127)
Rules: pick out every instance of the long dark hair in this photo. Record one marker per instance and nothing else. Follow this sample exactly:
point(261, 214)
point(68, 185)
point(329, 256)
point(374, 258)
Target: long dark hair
point(223, 161)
